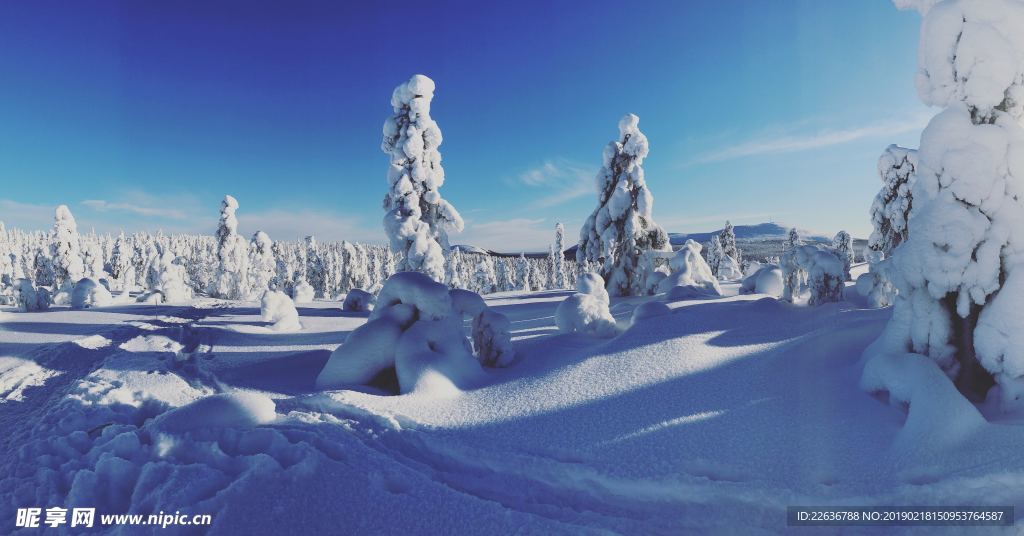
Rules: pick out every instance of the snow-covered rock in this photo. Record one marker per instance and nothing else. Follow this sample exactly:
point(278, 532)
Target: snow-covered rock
point(279, 310)
point(89, 293)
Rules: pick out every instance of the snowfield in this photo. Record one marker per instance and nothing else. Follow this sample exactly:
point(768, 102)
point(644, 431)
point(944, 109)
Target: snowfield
point(712, 418)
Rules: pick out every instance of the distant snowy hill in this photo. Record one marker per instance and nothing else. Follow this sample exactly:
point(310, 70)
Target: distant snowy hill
point(760, 231)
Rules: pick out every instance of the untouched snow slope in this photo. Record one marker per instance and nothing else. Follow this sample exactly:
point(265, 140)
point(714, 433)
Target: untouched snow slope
point(712, 418)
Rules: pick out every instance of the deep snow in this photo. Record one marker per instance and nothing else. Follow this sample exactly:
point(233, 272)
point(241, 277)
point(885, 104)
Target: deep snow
point(712, 418)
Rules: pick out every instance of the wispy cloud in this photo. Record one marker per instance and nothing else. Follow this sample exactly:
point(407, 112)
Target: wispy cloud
point(26, 216)
point(510, 235)
point(563, 179)
point(791, 143)
point(102, 205)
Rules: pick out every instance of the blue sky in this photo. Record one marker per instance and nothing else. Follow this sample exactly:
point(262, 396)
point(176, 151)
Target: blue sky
point(142, 115)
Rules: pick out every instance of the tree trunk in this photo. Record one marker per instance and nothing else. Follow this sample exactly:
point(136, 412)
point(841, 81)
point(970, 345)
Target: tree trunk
point(972, 380)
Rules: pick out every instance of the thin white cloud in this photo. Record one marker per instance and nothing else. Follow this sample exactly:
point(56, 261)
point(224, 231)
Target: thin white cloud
point(779, 144)
point(511, 235)
point(26, 216)
point(283, 224)
point(563, 179)
point(102, 205)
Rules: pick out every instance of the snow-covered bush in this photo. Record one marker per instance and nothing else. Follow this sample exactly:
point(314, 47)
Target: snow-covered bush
point(358, 301)
point(279, 310)
point(621, 229)
point(492, 339)
point(728, 269)
point(88, 292)
point(30, 298)
point(587, 311)
point(689, 269)
point(416, 327)
point(418, 220)
point(766, 280)
point(965, 243)
point(842, 245)
point(303, 292)
point(891, 207)
point(169, 281)
point(823, 270)
point(232, 255)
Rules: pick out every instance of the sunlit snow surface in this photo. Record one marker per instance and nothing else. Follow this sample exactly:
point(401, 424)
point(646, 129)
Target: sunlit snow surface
point(712, 418)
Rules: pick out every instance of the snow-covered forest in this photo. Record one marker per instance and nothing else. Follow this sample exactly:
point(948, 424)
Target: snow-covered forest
point(624, 379)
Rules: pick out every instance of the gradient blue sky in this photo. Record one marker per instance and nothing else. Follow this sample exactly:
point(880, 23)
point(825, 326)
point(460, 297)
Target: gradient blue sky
point(142, 115)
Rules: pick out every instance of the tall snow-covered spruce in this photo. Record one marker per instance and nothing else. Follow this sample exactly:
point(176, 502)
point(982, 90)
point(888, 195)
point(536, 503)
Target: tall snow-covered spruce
point(621, 230)
point(559, 279)
point(959, 273)
point(418, 220)
point(891, 208)
point(66, 249)
point(231, 280)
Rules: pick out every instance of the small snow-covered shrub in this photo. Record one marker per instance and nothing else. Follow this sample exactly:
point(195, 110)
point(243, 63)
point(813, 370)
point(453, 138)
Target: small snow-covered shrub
point(824, 271)
point(30, 298)
point(766, 280)
point(587, 310)
point(170, 279)
point(278, 309)
point(358, 301)
point(89, 293)
point(303, 292)
point(417, 327)
point(690, 269)
point(728, 269)
point(650, 309)
point(492, 339)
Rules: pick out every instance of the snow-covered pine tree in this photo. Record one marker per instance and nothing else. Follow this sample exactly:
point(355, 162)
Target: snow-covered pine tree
point(262, 264)
point(65, 249)
point(314, 267)
point(891, 208)
point(523, 273)
point(842, 245)
point(232, 255)
point(715, 254)
point(558, 275)
point(483, 276)
point(418, 220)
point(621, 229)
point(453, 275)
point(728, 240)
point(960, 272)
point(792, 240)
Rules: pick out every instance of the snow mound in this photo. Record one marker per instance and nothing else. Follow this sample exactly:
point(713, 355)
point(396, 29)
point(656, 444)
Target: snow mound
point(587, 310)
point(93, 342)
point(434, 358)
point(278, 309)
point(466, 302)
point(358, 301)
point(89, 293)
point(430, 298)
point(229, 410)
point(766, 280)
point(152, 343)
point(650, 309)
point(367, 351)
point(690, 269)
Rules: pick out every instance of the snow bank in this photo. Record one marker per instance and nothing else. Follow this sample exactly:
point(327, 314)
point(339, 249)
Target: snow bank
point(587, 310)
point(278, 309)
point(358, 301)
point(89, 293)
point(690, 269)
